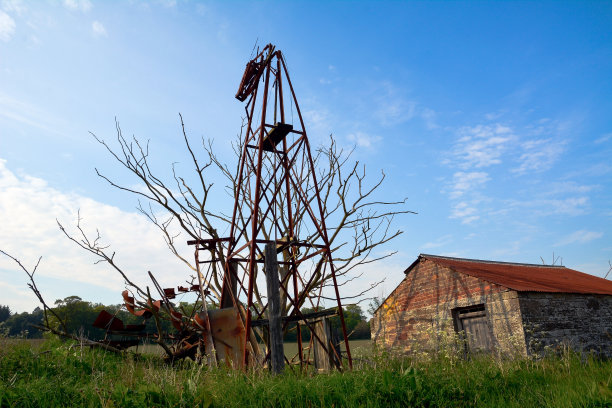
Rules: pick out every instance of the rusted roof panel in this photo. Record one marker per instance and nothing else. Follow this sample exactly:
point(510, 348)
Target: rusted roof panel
point(525, 277)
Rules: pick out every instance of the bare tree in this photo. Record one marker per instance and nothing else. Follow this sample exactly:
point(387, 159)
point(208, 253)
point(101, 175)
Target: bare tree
point(49, 313)
point(358, 223)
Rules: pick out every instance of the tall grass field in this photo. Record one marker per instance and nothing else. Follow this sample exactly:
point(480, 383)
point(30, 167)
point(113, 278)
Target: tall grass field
point(56, 374)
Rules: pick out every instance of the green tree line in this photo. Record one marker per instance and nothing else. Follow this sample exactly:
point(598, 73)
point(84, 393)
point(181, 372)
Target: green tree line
point(78, 315)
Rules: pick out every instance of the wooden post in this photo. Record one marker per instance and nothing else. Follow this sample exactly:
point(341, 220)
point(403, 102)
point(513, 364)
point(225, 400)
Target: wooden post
point(230, 288)
point(277, 352)
point(210, 344)
point(323, 353)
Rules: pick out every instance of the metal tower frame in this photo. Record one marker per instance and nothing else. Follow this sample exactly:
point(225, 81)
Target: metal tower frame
point(277, 199)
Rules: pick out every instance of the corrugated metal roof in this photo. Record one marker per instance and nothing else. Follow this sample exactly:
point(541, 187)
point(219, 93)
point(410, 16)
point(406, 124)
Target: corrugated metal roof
point(525, 277)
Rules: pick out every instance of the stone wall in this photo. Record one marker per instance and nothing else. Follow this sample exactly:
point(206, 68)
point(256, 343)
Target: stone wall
point(418, 313)
point(553, 320)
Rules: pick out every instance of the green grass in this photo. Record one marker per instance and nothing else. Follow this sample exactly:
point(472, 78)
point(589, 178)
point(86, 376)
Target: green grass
point(54, 374)
point(292, 348)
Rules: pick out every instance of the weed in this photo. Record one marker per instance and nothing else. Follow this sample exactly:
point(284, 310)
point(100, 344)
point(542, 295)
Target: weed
point(63, 374)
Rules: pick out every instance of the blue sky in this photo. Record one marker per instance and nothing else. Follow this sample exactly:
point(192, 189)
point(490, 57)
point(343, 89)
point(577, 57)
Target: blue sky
point(493, 118)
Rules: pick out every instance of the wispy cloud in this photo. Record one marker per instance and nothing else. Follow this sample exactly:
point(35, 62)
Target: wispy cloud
point(7, 26)
point(568, 187)
point(482, 145)
point(393, 108)
point(28, 209)
point(14, 6)
point(465, 211)
point(429, 117)
point(78, 5)
point(167, 3)
point(513, 151)
point(571, 206)
point(98, 29)
point(580, 237)
point(477, 148)
point(603, 139)
point(567, 206)
point(363, 140)
point(440, 242)
point(539, 155)
point(15, 110)
point(467, 181)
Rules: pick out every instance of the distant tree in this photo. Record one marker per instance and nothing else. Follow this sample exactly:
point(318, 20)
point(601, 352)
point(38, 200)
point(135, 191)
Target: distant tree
point(5, 313)
point(375, 303)
point(20, 324)
point(361, 331)
point(78, 316)
point(357, 327)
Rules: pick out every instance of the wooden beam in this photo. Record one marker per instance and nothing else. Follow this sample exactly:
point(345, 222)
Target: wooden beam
point(277, 351)
point(305, 316)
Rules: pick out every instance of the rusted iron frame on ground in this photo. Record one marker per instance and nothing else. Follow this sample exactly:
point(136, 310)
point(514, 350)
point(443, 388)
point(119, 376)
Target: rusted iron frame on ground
point(189, 332)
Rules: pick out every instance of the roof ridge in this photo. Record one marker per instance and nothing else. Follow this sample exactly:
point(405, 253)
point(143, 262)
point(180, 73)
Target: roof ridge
point(491, 262)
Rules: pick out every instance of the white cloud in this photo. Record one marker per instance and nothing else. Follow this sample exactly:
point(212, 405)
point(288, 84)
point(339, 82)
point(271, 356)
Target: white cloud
point(363, 139)
point(566, 187)
point(539, 155)
point(580, 237)
point(393, 108)
point(22, 298)
point(429, 117)
point(442, 241)
point(467, 181)
point(482, 145)
point(30, 115)
point(28, 209)
point(167, 3)
point(318, 119)
point(98, 29)
point(78, 5)
point(465, 212)
point(14, 6)
point(478, 147)
point(570, 206)
point(318, 122)
point(7, 26)
point(603, 139)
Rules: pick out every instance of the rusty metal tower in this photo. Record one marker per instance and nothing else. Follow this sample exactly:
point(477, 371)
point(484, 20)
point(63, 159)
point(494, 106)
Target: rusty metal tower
point(278, 201)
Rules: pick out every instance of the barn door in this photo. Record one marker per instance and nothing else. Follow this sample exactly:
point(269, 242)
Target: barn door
point(473, 322)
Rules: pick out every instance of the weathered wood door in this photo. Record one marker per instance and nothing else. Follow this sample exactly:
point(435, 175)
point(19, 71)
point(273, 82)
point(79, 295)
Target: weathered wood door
point(475, 325)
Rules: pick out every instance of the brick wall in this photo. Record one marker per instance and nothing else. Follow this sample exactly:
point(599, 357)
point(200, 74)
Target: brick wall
point(583, 322)
point(418, 313)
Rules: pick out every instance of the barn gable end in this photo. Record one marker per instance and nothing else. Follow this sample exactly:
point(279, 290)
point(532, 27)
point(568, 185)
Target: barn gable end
point(426, 306)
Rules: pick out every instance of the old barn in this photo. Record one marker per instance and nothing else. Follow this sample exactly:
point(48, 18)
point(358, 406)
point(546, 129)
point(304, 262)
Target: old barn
point(500, 306)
